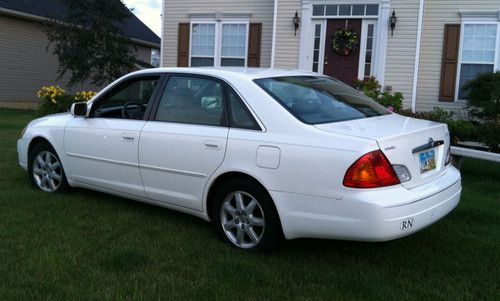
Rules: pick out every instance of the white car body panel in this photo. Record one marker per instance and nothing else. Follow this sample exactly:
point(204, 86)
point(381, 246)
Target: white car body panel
point(177, 159)
point(301, 166)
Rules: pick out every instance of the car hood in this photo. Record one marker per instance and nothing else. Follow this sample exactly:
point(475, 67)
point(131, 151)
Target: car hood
point(60, 119)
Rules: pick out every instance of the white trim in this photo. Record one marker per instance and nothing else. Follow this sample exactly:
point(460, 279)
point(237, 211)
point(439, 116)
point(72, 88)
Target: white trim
point(217, 16)
point(307, 27)
point(273, 43)
point(161, 32)
point(417, 55)
point(480, 15)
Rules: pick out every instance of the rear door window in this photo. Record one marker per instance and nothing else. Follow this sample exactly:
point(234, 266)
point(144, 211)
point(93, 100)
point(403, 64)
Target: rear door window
point(191, 99)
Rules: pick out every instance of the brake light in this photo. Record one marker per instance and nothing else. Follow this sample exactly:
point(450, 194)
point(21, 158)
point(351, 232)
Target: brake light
point(371, 170)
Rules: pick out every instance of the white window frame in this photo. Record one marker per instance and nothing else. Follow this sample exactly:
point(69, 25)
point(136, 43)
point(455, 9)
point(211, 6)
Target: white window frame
point(496, 63)
point(321, 59)
point(362, 48)
point(218, 38)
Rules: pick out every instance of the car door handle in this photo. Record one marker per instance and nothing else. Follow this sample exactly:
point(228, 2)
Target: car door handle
point(128, 138)
point(212, 144)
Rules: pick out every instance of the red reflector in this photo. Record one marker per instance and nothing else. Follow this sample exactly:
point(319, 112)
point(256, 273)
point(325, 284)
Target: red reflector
point(370, 171)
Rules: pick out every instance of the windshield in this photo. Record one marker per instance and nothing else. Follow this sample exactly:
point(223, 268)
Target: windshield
point(315, 99)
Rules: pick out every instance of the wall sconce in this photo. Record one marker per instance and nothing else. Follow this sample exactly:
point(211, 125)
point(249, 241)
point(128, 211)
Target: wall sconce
point(296, 21)
point(393, 21)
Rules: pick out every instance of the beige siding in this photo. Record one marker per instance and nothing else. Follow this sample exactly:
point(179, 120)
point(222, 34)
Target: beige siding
point(287, 44)
point(437, 14)
point(176, 12)
point(26, 66)
point(400, 57)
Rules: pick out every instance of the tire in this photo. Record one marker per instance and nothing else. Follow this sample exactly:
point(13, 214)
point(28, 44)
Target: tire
point(45, 169)
point(252, 225)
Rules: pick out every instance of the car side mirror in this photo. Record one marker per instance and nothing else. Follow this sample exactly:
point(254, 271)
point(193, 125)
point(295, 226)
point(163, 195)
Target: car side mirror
point(79, 109)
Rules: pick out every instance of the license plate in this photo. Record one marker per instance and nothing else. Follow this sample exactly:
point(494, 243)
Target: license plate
point(427, 161)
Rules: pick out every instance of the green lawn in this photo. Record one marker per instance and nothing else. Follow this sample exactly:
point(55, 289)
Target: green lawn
point(88, 245)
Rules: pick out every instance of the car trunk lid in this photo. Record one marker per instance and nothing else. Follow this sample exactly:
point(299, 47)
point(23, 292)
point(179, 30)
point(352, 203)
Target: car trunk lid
point(420, 145)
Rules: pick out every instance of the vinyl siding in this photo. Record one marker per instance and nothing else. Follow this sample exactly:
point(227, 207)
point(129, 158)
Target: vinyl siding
point(175, 12)
point(400, 57)
point(437, 14)
point(26, 65)
point(287, 44)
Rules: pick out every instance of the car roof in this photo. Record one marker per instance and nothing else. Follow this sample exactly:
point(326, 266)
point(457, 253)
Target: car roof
point(228, 72)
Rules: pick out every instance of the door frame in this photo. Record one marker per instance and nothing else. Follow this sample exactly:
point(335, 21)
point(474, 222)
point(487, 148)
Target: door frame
point(308, 23)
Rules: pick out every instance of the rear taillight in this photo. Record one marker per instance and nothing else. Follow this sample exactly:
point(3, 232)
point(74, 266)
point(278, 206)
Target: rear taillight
point(370, 171)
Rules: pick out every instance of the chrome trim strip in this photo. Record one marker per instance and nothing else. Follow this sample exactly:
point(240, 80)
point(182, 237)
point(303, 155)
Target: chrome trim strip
point(103, 160)
point(174, 171)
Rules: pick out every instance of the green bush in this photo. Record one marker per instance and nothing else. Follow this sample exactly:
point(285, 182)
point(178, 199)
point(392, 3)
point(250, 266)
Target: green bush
point(484, 97)
point(372, 88)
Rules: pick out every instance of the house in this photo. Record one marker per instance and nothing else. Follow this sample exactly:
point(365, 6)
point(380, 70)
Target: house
point(25, 63)
point(433, 48)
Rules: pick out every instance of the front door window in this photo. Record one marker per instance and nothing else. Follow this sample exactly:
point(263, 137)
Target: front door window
point(127, 101)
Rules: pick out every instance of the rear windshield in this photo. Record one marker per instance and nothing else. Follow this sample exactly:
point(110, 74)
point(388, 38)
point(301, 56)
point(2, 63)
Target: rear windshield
point(315, 99)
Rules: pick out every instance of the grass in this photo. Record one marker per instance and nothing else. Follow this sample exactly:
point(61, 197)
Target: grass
point(87, 245)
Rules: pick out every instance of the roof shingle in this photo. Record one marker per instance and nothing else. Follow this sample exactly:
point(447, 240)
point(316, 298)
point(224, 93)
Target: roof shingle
point(55, 9)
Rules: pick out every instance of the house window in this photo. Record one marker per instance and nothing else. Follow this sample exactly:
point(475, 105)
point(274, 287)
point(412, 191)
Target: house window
point(369, 50)
point(317, 45)
point(330, 10)
point(233, 45)
point(479, 52)
point(219, 44)
point(202, 44)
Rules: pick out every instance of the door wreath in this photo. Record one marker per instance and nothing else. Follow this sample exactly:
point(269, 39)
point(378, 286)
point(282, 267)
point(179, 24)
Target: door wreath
point(344, 41)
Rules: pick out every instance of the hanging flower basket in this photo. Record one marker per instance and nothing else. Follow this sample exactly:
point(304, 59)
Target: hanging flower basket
point(344, 41)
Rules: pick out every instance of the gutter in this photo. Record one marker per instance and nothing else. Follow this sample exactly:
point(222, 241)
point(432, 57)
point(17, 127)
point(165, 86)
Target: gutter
point(31, 17)
point(417, 55)
point(273, 43)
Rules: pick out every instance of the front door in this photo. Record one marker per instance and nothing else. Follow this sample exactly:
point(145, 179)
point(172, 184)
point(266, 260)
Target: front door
point(104, 146)
point(185, 142)
point(344, 67)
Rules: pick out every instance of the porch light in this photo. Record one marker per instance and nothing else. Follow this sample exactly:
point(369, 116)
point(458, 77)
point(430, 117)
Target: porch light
point(393, 21)
point(296, 21)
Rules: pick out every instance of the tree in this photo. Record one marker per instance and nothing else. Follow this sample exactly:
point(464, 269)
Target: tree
point(89, 41)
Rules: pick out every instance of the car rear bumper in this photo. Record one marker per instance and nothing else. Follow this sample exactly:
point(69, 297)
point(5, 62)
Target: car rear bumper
point(371, 214)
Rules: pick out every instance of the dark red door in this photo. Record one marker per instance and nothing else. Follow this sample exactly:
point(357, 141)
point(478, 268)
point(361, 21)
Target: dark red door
point(342, 67)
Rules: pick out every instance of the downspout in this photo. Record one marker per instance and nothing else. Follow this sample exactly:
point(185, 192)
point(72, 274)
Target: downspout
point(161, 32)
point(273, 44)
point(417, 55)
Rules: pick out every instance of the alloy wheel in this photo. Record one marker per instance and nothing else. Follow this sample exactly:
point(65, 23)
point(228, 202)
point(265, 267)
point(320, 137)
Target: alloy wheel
point(47, 171)
point(242, 219)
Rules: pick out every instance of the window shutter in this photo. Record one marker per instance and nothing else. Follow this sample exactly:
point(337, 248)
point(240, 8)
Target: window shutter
point(254, 38)
point(450, 62)
point(183, 45)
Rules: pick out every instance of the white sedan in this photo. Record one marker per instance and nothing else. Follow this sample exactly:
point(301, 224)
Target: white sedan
point(265, 154)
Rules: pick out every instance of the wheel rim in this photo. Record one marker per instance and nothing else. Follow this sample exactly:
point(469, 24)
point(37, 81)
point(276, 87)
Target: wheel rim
point(242, 219)
point(47, 171)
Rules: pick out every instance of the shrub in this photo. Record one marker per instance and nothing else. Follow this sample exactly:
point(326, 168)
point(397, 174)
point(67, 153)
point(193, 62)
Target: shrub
point(54, 99)
point(372, 88)
point(460, 130)
point(489, 134)
point(484, 97)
